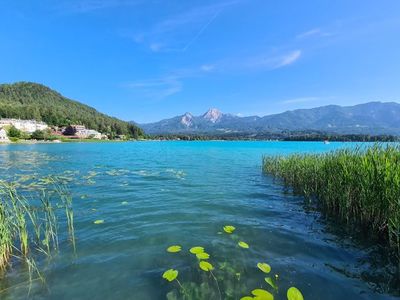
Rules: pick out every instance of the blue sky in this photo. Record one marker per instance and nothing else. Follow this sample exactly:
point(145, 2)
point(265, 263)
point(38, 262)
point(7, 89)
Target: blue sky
point(146, 60)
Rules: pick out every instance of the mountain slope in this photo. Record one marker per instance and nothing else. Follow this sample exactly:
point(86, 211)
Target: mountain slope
point(369, 118)
point(26, 100)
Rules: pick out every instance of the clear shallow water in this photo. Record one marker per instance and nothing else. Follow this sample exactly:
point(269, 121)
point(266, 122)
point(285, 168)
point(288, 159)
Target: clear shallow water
point(155, 194)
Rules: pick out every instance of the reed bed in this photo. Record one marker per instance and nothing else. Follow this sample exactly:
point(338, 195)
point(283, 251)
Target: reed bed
point(29, 224)
point(360, 187)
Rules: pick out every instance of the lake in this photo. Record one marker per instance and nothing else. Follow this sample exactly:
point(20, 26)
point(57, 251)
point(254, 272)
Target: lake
point(152, 195)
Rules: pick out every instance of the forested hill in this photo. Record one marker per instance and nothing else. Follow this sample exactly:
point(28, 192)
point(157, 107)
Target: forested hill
point(26, 100)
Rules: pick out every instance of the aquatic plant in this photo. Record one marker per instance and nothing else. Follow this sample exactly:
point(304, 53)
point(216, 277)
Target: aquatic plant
point(174, 249)
point(226, 277)
point(29, 225)
point(360, 187)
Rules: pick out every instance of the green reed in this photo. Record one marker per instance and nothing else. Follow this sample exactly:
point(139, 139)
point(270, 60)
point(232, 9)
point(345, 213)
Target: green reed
point(360, 187)
point(29, 226)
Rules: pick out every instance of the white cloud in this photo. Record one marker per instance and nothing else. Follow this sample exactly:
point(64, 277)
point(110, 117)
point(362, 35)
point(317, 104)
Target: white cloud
point(207, 68)
point(179, 32)
point(288, 59)
point(300, 100)
point(86, 6)
point(158, 88)
point(309, 33)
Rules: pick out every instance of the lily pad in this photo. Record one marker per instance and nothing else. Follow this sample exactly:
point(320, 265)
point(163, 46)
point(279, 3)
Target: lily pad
point(170, 275)
point(271, 282)
point(246, 298)
point(98, 222)
point(229, 228)
point(196, 250)
point(294, 294)
point(243, 245)
point(261, 294)
point(174, 249)
point(206, 266)
point(203, 255)
point(266, 268)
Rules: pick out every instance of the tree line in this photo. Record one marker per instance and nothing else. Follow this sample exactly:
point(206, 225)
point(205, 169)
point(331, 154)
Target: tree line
point(25, 100)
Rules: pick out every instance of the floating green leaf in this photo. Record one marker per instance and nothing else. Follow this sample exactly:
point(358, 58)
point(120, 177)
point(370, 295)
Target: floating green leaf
point(174, 249)
point(237, 276)
point(203, 255)
point(98, 222)
point(246, 298)
point(243, 245)
point(170, 275)
point(206, 266)
point(261, 294)
point(294, 294)
point(229, 228)
point(266, 268)
point(271, 282)
point(196, 250)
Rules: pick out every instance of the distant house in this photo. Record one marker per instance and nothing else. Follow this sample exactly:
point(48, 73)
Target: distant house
point(3, 136)
point(88, 133)
point(28, 126)
point(81, 132)
point(78, 127)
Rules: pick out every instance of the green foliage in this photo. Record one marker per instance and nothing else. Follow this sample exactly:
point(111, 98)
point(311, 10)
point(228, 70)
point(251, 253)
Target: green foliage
point(359, 187)
point(26, 100)
point(243, 245)
point(266, 268)
point(224, 279)
point(42, 135)
point(271, 282)
point(14, 132)
point(261, 294)
point(203, 255)
point(174, 249)
point(206, 266)
point(29, 227)
point(170, 275)
point(196, 250)
point(281, 136)
point(229, 229)
point(294, 294)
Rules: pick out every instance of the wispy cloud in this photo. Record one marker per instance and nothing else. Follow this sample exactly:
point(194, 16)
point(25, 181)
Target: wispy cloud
point(300, 100)
point(179, 32)
point(312, 33)
point(288, 59)
point(304, 100)
point(158, 88)
point(269, 61)
point(85, 6)
point(164, 86)
point(207, 68)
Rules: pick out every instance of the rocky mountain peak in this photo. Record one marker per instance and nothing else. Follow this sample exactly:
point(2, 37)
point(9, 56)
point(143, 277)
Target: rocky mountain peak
point(187, 119)
point(213, 115)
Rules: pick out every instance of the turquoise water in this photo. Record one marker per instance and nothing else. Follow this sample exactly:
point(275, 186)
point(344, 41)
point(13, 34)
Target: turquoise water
point(152, 195)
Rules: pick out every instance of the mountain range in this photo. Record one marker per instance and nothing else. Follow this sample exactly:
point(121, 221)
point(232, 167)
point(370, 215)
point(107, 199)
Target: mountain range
point(371, 118)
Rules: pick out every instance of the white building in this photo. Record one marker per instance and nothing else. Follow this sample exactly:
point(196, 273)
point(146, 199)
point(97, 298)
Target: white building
point(3, 136)
point(88, 133)
point(24, 125)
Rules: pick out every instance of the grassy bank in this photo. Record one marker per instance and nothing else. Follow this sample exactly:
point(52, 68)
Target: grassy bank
point(360, 187)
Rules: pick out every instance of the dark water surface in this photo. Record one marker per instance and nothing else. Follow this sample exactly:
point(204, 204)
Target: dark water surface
point(155, 194)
